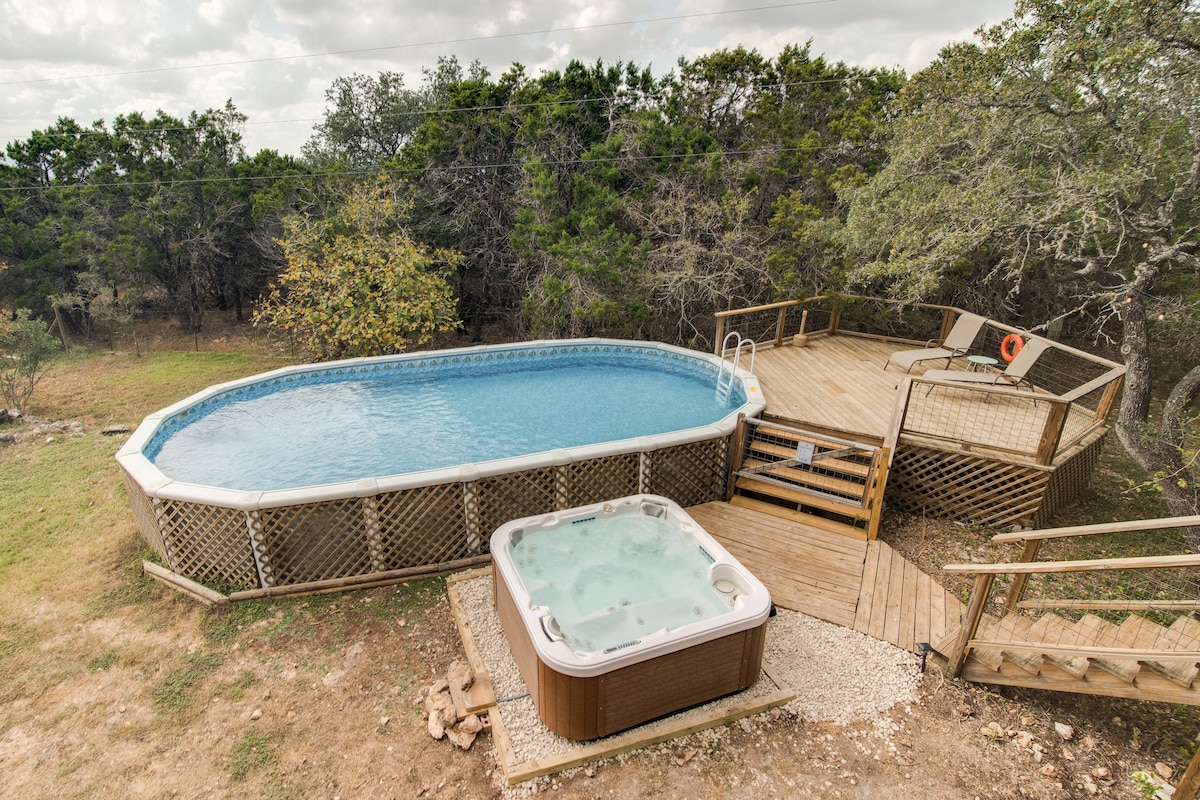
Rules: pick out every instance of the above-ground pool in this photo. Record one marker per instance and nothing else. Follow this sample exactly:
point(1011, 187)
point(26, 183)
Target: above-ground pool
point(319, 473)
point(623, 611)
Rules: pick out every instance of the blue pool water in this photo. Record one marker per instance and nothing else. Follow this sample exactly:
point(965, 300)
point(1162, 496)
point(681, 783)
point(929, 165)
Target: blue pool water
point(401, 416)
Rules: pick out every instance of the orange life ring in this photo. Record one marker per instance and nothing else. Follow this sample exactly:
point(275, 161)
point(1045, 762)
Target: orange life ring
point(1011, 345)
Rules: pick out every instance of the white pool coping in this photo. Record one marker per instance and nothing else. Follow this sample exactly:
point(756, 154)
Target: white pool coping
point(156, 485)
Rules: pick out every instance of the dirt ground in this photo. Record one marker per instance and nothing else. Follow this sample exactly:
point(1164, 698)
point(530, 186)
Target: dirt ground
point(314, 698)
point(114, 687)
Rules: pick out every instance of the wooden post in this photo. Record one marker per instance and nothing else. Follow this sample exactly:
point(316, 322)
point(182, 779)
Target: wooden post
point(948, 318)
point(735, 458)
point(1109, 399)
point(720, 335)
point(835, 318)
point(879, 472)
point(1017, 589)
point(974, 612)
point(779, 323)
point(1190, 782)
point(1052, 431)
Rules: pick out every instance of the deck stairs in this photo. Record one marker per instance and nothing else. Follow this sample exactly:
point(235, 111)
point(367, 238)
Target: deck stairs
point(1140, 643)
point(1137, 658)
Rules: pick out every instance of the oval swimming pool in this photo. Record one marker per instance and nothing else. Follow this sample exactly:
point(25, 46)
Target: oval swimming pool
point(395, 416)
point(320, 474)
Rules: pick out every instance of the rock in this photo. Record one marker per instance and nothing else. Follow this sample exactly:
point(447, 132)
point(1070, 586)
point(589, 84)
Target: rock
point(1023, 739)
point(1049, 770)
point(470, 724)
point(7, 438)
point(1090, 787)
point(384, 720)
point(1163, 770)
point(1027, 720)
point(459, 675)
point(1064, 730)
point(1102, 772)
point(1067, 755)
point(461, 738)
point(441, 712)
point(114, 430)
point(590, 771)
point(965, 710)
point(256, 714)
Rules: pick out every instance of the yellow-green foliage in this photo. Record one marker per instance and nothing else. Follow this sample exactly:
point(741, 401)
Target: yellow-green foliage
point(355, 284)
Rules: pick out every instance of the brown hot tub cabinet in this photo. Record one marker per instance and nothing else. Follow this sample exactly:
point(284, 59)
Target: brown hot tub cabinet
point(591, 706)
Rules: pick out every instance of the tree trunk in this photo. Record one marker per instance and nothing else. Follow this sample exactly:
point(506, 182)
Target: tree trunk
point(1159, 450)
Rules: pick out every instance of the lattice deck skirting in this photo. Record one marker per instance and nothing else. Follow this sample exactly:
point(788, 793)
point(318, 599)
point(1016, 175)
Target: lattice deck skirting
point(965, 486)
point(306, 544)
point(987, 490)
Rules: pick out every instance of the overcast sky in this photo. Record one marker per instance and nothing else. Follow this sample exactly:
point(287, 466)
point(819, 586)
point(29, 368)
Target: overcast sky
point(276, 58)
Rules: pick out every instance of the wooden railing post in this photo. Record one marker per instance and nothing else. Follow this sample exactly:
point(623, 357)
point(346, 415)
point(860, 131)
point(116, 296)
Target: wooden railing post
point(779, 323)
point(1052, 431)
point(1190, 782)
point(1108, 399)
point(740, 432)
point(720, 335)
point(1017, 589)
point(974, 612)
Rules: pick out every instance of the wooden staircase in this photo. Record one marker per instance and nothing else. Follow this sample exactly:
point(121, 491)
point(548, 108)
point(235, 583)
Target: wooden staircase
point(1146, 649)
point(1137, 658)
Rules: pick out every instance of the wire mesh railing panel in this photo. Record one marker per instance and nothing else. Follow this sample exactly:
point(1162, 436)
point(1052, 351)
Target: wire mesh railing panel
point(759, 326)
point(421, 526)
point(1004, 420)
point(146, 514)
point(880, 318)
point(807, 463)
point(689, 474)
point(208, 544)
point(1082, 419)
point(313, 542)
point(818, 316)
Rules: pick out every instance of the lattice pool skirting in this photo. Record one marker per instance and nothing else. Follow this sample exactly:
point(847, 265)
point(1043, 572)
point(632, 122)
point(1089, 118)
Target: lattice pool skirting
point(298, 547)
point(984, 489)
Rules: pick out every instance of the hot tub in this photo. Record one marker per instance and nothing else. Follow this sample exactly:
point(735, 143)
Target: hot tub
point(625, 611)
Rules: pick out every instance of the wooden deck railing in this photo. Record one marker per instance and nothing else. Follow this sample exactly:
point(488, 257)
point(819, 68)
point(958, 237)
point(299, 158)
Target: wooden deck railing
point(1076, 391)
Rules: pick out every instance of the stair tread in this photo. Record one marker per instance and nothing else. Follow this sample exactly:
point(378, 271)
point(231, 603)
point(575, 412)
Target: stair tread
point(1053, 629)
point(1009, 627)
point(1138, 632)
point(1101, 633)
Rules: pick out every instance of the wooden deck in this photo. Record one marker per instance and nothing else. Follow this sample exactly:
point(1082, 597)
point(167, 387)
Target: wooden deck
point(862, 585)
point(838, 385)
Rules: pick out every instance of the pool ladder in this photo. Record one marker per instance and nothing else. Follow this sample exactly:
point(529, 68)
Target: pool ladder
point(727, 373)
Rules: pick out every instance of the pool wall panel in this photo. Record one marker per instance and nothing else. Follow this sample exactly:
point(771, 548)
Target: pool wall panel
point(270, 546)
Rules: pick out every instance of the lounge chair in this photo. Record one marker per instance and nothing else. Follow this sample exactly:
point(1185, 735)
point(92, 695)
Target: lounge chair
point(957, 343)
point(1013, 375)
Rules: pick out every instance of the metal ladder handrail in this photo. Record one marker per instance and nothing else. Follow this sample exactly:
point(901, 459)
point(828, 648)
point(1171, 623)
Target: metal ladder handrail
point(725, 385)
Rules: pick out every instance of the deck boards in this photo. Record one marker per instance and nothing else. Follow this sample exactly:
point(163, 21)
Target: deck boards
point(866, 586)
point(838, 385)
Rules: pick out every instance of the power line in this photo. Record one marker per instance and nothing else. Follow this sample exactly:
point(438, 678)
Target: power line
point(421, 170)
point(409, 45)
point(442, 110)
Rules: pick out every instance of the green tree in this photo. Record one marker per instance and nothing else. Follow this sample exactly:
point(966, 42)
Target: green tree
point(26, 351)
point(1055, 166)
point(356, 284)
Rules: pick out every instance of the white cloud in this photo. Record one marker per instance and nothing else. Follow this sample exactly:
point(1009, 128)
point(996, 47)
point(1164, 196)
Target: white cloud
point(74, 38)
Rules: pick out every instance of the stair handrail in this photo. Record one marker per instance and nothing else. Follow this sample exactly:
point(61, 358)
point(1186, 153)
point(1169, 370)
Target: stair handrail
point(985, 574)
point(1033, 542)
